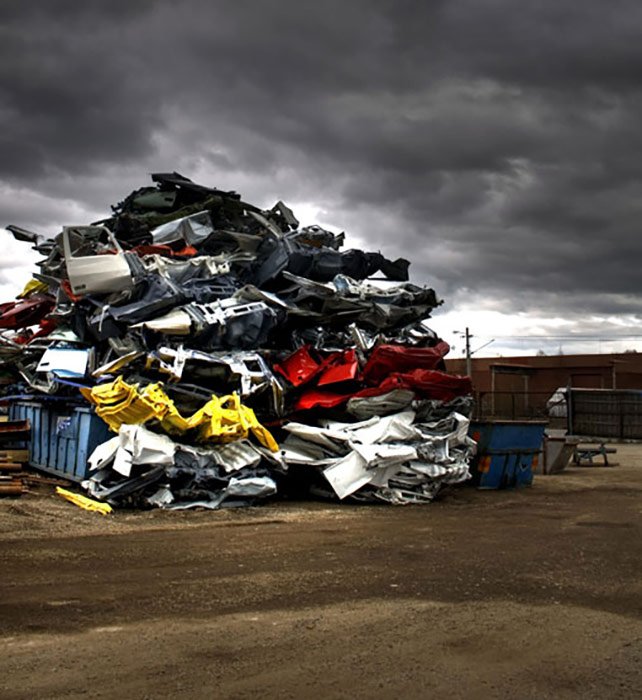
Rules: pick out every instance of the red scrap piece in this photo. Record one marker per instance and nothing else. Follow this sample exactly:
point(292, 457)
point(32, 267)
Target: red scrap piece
point(299, 367)
point(26, 312)
point(320, 399)
point(387, 359)
point(341, 367)
point(187, 251)
point(426, 383)
point(47, 325)
point(66, 288)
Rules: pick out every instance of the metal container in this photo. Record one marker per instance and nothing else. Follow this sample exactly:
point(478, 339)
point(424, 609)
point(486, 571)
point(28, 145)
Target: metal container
point(507, 452)
point(62, 436)
point(558, 450)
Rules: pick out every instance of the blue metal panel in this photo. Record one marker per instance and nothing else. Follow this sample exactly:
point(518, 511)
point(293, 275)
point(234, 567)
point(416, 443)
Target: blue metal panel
point(91, 432)
point(62, 437)
point(505, 452)
point(38, 448)
point(41, 451)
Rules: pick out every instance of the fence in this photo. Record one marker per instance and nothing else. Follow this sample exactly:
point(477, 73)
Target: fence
point(513, 405)
point(605, 413)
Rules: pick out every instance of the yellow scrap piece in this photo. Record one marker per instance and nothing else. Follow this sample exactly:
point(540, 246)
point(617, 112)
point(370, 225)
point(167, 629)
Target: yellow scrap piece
point(165, 410)
point(33, 286)
point(228, 419)
point(119, 402)
point(84, 502)
point(221, 419)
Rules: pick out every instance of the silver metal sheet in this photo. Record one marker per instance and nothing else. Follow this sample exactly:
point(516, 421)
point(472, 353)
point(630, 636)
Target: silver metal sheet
point(192, 229)
point(348, 475)
point(72, 361)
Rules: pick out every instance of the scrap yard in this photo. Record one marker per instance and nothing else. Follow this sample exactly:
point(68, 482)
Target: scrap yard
point(233, 464)
point(320, 350)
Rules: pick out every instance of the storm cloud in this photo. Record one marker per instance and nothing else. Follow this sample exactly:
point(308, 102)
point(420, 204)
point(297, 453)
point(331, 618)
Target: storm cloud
point(496, 145)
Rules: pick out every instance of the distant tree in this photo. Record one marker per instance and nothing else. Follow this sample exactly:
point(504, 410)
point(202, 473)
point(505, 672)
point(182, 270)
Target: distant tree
point(633, 352)
point(560, 350)
point(540, 353)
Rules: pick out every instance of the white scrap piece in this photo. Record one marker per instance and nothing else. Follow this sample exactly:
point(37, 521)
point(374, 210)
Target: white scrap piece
point(123, 462)
point(236, 455)
point(146, 447)
point(392, 402)
point(403, 497)
point(329, 439)
point(348, 474)
point(251, 487)
point(162, 497)
point(430, 469)
point(401, 461)
point(394, 428)
point(298, 451)
point(382, 475)
point(460, 434)
point(384, 455)
point(134, 444)
point(104, 454)
point(71, 361)
point(231, 457)
point(340, 427)
point(97, 274)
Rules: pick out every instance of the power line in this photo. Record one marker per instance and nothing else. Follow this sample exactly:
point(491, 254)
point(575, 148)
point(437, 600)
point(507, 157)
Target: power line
point(567, 338)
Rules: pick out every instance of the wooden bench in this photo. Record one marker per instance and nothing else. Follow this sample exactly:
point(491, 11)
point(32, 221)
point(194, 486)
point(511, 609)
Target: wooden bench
point(584, 454)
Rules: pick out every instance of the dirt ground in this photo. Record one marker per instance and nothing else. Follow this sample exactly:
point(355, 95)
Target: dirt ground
point(534, 593)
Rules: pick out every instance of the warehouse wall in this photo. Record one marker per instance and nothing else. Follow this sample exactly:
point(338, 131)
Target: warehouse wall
point(546, 373)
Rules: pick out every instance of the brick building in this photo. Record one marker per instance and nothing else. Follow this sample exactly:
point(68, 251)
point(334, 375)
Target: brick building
point(521, 385)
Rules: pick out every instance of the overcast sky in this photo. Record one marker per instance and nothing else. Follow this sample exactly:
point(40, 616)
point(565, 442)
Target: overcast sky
point(497, 145)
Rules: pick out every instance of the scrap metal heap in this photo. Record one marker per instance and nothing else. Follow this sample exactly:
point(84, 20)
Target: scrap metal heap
point(236, 355)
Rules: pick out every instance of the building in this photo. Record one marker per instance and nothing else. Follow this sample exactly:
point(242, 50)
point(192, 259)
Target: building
point(521, 386)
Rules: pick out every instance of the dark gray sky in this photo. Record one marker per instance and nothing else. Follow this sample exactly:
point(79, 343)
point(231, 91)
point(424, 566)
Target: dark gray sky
point(496, 144)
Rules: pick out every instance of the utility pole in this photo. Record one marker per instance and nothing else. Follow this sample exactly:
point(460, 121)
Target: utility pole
point(469, 364)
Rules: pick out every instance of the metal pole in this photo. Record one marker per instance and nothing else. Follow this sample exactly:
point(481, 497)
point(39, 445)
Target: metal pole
point(492, 391)
point(469, 368)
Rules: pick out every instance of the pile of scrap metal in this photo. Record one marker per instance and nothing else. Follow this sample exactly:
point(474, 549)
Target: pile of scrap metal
point(237, 355)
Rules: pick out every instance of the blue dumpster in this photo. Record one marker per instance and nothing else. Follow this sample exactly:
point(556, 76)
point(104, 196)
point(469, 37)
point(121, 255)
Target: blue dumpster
point(62, 436)
point(506, 452)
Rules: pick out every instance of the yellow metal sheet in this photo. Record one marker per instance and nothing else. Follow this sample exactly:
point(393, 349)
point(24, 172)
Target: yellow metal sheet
point(84, 502)
point(33, 286)
point(221, 419)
